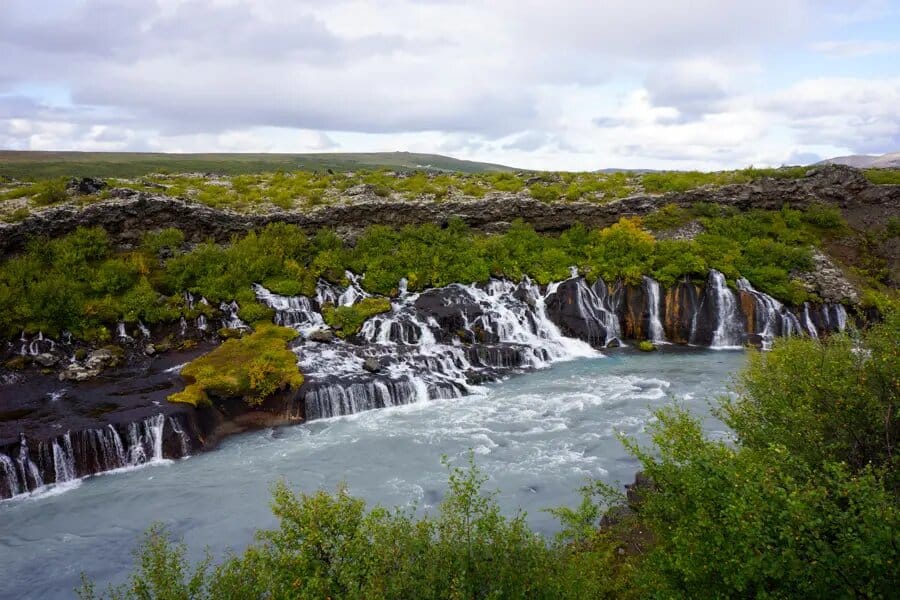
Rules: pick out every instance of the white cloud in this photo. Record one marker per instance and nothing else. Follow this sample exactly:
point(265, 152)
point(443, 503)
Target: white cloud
point(857, 48)
point(576, 84)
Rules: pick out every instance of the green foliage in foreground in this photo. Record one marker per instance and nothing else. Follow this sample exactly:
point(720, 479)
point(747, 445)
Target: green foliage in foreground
point(78, 283)
point(347, 320)
point(252, 367)
point(783, 512)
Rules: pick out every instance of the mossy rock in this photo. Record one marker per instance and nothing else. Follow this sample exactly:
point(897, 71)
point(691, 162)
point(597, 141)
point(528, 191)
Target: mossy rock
point(348, 320)
point(229, 333)
point(17, 363)
point(647, 346)
point(252, 367)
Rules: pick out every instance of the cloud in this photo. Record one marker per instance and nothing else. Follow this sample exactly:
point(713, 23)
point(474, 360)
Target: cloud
point(857, 48)
point(859, 114)
point(586, 84)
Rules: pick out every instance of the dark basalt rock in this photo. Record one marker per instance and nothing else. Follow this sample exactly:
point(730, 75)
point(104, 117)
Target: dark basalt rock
point(566, 309)
point(452, 308)
point(680, 302)
point(84, 186)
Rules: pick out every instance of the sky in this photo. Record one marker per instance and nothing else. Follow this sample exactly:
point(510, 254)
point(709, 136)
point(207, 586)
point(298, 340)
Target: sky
point(567, 84)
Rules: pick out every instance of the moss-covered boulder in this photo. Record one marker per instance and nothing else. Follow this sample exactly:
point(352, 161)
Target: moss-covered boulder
point(252, 367)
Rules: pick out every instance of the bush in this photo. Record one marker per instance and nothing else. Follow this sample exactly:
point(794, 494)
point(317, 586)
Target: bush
point(52, 191)
point(348, 320)
point(883, 176)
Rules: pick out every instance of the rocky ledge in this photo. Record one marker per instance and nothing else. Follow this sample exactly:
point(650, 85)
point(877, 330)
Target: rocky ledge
point(129, 213)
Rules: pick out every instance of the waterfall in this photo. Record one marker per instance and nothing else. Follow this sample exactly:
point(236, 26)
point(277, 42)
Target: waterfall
point(291, 311)
point(834, 317)
point(182, 327)
point(63, 459)
point(808, 322)
point(230, 318)
point(121, 333)
point(74, 454)
point(145, 440)
point(37, 345)
point(417, 344)
point(201, 323)
point(143, 329)
point(729, 329)
point(655, 328)
point(772, 319)
point(28, 472)
point(10, 475)
point(183, 440)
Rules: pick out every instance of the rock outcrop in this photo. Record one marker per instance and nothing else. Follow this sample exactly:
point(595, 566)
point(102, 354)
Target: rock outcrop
point(128, 214)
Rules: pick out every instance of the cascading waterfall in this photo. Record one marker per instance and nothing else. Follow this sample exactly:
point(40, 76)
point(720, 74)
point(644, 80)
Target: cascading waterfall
point(77, 454)
point(808, 322)
point(772, 318)
point(37, 345)
point(230, 318)
point(10, 476)
point(183, 440)
point(291, 311)
point(145, 441)
point(834, 317)
point(656, 332)
point(121, 333)
point(436, 344)
point(420, 360)
point(729, 331)
point(143, 329)
point(63, 459)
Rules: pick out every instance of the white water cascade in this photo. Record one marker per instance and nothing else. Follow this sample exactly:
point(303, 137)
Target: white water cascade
point(656, 332)
point(63, 459)
point(729, 331)
point(230, 318)
point(772, 318)
point(121, 333)
point(418, 360)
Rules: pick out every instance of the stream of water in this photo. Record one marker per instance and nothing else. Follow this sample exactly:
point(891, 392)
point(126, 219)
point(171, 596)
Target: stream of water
point(538, 436)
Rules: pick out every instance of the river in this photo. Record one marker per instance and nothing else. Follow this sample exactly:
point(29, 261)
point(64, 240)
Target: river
point(538, 437)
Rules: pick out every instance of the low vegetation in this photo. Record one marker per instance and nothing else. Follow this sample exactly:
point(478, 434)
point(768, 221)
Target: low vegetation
point(347, 320)
point(802, 503)
point(79, 283)
point(244, 189)
point(252, 367)
point(883, 176)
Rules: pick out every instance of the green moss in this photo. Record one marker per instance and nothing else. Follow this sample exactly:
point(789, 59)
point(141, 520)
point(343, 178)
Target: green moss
point(252, 367)
point(883, 176)
point(646, 346)
point(347, 320)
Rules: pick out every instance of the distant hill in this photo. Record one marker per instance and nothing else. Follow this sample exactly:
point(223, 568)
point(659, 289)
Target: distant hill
point(36, 165)
point(866, 161)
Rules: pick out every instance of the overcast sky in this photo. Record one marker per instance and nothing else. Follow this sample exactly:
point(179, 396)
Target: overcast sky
point(565, 84)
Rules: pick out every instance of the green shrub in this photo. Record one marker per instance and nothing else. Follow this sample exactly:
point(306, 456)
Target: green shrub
point(824, 215)
point(347, 320)
point(646, 346)
point(669, 216)
point(51, 191)
point(883, 176)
